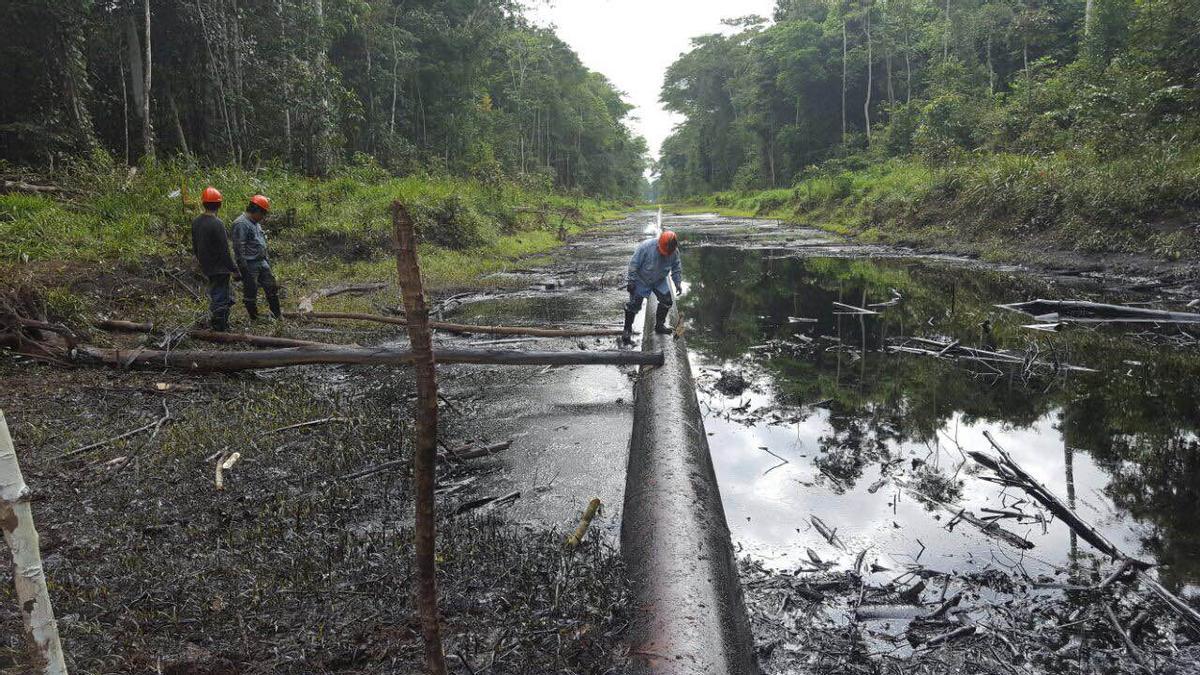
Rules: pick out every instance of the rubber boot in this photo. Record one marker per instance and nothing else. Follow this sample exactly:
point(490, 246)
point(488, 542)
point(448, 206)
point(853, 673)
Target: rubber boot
point(252, 310)
point(220, 321)
point(627, 334)
point(273, 303)
point(660, 321)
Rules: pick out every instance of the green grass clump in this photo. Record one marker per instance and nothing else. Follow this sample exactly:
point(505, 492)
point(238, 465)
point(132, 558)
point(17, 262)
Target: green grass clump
point(1072, 199)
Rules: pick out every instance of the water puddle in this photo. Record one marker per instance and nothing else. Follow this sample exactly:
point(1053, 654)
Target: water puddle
point(819, 426)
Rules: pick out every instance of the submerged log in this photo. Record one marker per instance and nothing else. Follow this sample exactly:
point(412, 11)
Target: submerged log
point(218, 361)
point(461, 327)
point(1081, 311)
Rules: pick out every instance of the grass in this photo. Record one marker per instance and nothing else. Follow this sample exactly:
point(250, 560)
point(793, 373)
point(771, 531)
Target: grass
point(321, 232)
point(1000, 205)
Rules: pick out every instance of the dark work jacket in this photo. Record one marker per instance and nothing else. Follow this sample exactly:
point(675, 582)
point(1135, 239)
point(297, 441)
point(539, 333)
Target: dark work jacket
point(211, 246)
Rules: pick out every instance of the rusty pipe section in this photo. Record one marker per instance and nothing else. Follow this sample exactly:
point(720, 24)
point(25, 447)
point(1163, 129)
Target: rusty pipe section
point(689, 614)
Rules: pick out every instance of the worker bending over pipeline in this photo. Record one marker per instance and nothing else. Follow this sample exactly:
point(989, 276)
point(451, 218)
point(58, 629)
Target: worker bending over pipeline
point(653, 260)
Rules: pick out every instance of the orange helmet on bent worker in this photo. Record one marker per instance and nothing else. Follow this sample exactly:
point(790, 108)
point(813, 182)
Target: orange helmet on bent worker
point(667, 242)
point(261, 202)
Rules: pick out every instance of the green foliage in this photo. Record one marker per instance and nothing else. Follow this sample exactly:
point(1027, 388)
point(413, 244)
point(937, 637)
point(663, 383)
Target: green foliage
point(467, 88)
point(999, 121)
point(348, 214)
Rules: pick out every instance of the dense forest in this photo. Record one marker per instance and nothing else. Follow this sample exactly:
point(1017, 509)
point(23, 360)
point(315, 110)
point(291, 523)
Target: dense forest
point(461, 87)
point(829, 80)
point(1026, 91)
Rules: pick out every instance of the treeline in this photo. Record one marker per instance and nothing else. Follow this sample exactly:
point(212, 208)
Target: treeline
point(465, 87)
point(830, 86)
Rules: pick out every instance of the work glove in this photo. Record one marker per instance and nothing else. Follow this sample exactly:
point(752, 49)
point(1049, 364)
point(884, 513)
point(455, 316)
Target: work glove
point(630, 286)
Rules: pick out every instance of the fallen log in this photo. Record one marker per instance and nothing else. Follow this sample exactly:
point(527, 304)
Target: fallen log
point(218, 361)
point(218, 337)
point(1081, 311)
point(466, 452)
point(21, 186)
point(460, 327)
point(306, 303)
point(1009, 470)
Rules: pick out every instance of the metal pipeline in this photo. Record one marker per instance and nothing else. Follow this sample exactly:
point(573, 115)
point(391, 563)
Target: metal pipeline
point(690, 616)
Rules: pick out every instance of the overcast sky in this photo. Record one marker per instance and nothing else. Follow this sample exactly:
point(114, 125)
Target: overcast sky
point(633, 41)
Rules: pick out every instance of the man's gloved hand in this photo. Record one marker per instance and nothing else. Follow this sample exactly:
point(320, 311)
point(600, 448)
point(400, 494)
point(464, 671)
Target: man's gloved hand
point(630, 286)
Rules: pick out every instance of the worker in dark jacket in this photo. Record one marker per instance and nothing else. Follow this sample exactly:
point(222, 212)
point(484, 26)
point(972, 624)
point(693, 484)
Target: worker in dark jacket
point(652, 262)
point(211, 247)
point(250, 249)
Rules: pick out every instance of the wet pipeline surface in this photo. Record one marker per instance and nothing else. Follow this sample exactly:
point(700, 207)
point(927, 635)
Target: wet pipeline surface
point(840, 440)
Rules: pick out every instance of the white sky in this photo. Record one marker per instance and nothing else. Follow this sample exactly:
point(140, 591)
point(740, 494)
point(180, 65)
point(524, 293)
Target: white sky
point(633, 41)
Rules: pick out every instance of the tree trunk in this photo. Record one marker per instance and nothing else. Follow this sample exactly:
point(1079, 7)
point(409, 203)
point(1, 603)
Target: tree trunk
point(845, 46)
point(137, 67)
point(946, 35)
point(870, 75)
point(907, 65)
point(147, 122)
point(991, 68)
point(183, 145)
point(425, 448)
point(125, 110)
point(16, 520)
point(1089, 17)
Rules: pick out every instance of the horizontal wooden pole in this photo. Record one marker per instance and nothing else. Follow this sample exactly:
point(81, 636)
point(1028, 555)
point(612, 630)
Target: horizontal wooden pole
point(218, 337)
point(461, 327)
point(219, 361)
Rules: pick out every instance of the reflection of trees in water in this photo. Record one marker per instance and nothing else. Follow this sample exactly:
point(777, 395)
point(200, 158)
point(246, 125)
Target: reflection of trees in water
point(852, 443)
point(1138, 421)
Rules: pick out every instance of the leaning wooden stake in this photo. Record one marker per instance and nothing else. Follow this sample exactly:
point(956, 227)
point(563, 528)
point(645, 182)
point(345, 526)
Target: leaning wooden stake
point(577, 537)
point(425, 451)
point(16, 519)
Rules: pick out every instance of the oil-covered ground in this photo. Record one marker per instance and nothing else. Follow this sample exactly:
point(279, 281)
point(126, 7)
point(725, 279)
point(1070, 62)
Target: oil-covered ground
point(302, 563)
point(832, 444)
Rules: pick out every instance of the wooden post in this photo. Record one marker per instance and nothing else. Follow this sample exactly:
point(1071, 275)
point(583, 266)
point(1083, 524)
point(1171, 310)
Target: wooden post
point(425, 450)
point(16, 520)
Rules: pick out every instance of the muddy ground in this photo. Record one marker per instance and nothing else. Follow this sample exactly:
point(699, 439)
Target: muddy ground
point(296, 566)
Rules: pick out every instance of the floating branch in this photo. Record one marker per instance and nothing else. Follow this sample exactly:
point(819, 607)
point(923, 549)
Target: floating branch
point(1082, 311)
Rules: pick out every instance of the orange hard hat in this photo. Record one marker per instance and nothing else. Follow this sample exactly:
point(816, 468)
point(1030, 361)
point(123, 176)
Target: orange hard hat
point(210, 195)
point(261, 202)
point(667, 242)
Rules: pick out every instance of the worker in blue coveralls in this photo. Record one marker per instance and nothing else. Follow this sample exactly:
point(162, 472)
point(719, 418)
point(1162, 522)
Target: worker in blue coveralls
point(652, 261)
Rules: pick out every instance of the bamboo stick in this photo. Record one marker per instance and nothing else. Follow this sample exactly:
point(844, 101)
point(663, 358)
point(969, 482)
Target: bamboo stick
point(588, 514)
